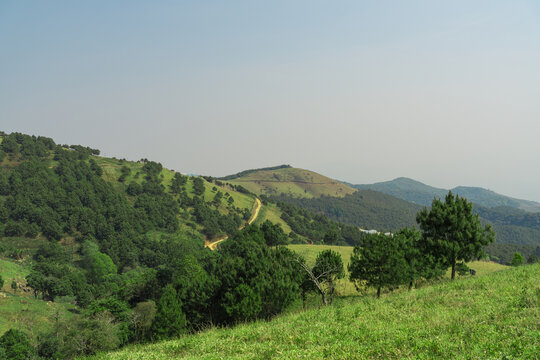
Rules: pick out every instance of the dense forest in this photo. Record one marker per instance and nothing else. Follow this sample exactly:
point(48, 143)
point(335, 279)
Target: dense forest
point(366, 208)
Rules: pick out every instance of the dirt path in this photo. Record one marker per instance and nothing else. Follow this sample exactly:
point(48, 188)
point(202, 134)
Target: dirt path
point(213, 245)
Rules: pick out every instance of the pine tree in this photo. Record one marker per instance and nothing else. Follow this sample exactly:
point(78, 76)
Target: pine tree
point(170, 321)
point(380, 261)
point(453, 232)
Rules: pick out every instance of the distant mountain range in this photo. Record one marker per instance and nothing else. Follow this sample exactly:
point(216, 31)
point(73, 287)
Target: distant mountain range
point(422, 194)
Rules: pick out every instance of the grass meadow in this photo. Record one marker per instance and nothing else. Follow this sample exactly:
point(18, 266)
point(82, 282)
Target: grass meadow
point(493, 316)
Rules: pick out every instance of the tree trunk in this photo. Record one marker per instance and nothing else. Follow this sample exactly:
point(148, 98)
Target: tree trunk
point(453, 269)
point(378, 292)
point(323, 295)
point(410, 285)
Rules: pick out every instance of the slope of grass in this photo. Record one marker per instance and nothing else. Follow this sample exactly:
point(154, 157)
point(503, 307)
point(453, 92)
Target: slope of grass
point(495, 316)
point(272, 213)
point(292, 182)
point(19, 309)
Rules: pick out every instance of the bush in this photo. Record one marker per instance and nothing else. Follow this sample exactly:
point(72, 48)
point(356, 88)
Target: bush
point(16, 345)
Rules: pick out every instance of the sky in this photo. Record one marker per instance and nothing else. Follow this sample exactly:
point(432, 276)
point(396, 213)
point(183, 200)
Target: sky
point(447, 93)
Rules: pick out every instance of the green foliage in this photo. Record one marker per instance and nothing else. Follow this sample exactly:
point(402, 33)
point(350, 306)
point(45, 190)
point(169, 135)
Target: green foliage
point(198, 186)
point(169, 321)
point(142, 317)
point(517, 260)
point(462, 269)
point(125, 172)
point(327, 269)
point(452, 231)
point(273, 234)
point(380, 261)
point(316, 226)
point(366, 209)
point(86, 336)
point(178, 183)
point(483, 317)
point(269, 278)
point(16, 345)
point(532, 259)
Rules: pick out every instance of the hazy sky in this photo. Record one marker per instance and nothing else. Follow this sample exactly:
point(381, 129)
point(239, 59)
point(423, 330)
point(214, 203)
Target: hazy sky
point(447, 93)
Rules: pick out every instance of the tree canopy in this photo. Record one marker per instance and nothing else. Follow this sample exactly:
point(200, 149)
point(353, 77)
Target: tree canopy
point(453, 231)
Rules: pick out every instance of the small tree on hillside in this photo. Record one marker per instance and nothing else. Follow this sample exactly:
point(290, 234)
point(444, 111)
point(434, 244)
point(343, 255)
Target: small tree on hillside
point(328, 268)
point(532, 259)
point(380, 261)
point(452, 231)
point(517, 260)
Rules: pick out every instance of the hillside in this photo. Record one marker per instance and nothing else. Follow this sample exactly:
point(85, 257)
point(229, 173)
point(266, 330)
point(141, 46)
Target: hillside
point(419, 193)
point(494, 316)
point(289, 181)
point(367, 209)
point(406, 189)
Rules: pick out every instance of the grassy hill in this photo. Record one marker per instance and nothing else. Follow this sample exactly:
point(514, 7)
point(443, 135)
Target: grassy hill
point(422, 194)
point(495, 316)
point(19, 306)
point(289, 181)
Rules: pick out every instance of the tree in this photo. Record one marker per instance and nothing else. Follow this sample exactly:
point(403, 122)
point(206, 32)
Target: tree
point(452, 231)
point(142, 318)
point(421, 262)
point(177, 183)
point(16, 345)
point(273, 234)
point(170, 321)
point(328, 268)
point(198, 186)
point(1, 282)
point(532, 259)
point(517, 260)
point(380, 261)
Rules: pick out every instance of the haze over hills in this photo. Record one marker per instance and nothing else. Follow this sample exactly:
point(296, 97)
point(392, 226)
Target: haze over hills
point(420, 193)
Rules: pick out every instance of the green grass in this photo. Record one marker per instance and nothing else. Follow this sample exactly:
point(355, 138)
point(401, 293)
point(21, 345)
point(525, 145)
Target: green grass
point(19, 309)
point(496, 316)
point(292, 181)
point(272, 213)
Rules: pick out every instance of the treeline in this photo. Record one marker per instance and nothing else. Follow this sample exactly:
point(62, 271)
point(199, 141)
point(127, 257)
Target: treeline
point(374, 210)
point(450, 235)
point(317, 227)
point(366, 208)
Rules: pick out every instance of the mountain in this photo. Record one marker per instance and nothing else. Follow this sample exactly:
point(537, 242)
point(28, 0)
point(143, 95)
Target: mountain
point(406, 189)
point(288, 181)
point(419, 193)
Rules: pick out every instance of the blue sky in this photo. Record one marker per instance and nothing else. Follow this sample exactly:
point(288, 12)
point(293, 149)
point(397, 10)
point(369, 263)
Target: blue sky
point(442, 92)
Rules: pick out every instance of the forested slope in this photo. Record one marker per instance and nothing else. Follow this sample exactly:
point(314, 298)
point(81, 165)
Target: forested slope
point(487, 317)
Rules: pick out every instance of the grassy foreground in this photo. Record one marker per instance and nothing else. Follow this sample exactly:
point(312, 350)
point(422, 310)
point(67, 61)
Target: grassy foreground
point(496, 316)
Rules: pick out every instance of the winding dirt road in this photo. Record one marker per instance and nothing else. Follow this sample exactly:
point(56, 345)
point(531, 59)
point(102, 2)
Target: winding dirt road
point(213, 245)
